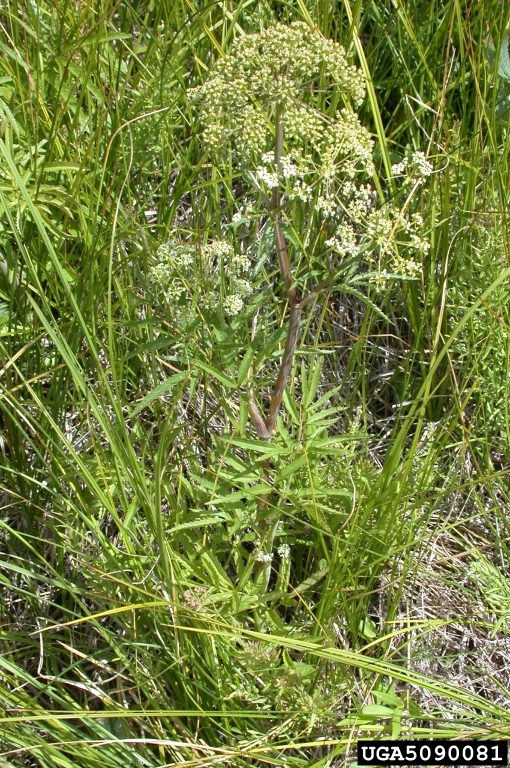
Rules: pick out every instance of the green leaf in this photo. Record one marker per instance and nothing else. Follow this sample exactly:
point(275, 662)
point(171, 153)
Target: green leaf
point(311, 581)
point(313, 384)
point(160, 390)
point(244, 368)
point(259, 446)
point(252, 491)
point(243, 414)
point(391, 699)
point(289, 469)
point(303, 671)
point(215, 373)
point(160, 343)
point(377, 711)
point(290, 407)
point(200, 522)
point(504, 60)
point(368, 629)
point(61, 166)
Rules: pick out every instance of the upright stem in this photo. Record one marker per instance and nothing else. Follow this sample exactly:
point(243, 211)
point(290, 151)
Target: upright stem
point(265, 427)
point(285, 367)
point(278, 154)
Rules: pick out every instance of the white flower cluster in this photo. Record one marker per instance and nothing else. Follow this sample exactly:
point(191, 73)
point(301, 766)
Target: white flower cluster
point(345, 243)
point(263, 557)
point(357, 222)
point(171, 274)
point(327, 204)
point(347, 138)
point(406, 267)
point(290, 174)
point(270, 76)
point(379, 227)
point(384, 234)
point(380, 279)
point(288, 168)
point(243, 214)
point(402, 236)
point(416, 169)
point(297, 169)
point(270, 70)
point(186, 274)
point(300, 190)
point(268, 178)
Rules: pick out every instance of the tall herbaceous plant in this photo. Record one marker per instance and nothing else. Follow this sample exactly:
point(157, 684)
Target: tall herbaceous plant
point(278, 113)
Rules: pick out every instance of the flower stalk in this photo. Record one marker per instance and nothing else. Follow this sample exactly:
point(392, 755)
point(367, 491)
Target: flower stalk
point(265, 427)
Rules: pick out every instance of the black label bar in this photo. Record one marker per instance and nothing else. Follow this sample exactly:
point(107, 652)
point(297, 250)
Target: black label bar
point(441, 752)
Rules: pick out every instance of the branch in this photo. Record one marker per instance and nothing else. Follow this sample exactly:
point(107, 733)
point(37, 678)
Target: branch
point(258, 421)
point(285, 367)
point(266, 428)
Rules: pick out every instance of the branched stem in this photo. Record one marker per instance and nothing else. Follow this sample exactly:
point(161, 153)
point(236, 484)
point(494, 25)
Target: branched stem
point(278, 154)
point(285, 367)
point(265, 427)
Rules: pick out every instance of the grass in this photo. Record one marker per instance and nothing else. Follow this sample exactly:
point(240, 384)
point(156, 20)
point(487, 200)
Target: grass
point(133, 629)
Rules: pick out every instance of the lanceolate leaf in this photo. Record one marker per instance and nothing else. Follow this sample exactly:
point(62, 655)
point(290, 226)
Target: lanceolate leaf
point(159, 391)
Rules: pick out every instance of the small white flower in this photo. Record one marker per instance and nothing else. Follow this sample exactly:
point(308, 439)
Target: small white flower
point(406, 267)
point(243, 287)
point(219, 249)
point(419, 243)
point(288, 168)
point(326, 205)
point(233, 304)
point(379, 279)
point(301, 191)
point(422, 165)
point(348, 189)
point(263, 557)
point(400, 169)
point(357, 209)
point(345, 244)
point(379, 226)
point(241, 262)
point(181, 263)
point(269, 178)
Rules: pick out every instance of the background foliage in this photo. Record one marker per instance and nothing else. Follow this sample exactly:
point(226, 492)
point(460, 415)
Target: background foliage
point(133, 630)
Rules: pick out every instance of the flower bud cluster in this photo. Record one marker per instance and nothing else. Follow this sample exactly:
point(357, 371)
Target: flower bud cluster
point(207, 275)
point(271, 70)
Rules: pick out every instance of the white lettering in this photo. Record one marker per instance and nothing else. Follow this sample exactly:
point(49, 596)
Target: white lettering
point(382, 754)
point(364, 754)
point(396, 754)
